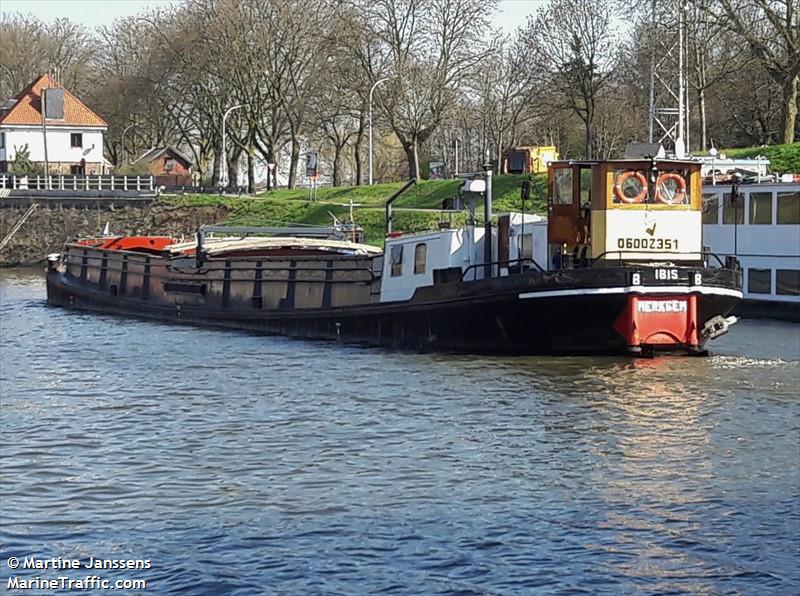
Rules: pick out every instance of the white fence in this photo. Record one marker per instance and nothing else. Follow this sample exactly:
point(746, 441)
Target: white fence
point(76, 183)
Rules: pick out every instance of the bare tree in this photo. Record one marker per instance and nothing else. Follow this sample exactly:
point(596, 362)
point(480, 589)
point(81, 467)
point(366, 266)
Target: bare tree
point(430, 46)
point(771, 29)
point(574, 41)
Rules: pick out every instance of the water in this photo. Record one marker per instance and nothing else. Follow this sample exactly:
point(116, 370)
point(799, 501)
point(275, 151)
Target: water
point(241, 464)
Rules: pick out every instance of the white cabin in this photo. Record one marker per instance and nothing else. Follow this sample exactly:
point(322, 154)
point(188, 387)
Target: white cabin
point(410, 260)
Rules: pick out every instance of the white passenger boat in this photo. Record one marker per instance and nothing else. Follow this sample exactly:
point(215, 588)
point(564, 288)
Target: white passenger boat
point(762, 230)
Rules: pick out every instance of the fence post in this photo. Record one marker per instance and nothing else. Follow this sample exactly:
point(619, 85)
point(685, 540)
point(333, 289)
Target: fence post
point(152, 179)
point(138, 183)
point(124, 183)
point(86, 180)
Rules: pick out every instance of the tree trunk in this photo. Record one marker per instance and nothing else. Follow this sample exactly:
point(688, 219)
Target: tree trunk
point(217, 166)
point(295, 159)
point(790, 108)
point(701, 105)
point(251, 174)
point(412, 155)
point(337, 154)
point(357, 150)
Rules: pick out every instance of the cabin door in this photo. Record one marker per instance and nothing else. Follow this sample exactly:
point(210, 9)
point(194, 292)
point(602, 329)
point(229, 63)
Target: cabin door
point(563, 206)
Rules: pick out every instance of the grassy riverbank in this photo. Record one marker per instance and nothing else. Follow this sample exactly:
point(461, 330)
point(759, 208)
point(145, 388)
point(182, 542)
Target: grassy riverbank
point(283, 206)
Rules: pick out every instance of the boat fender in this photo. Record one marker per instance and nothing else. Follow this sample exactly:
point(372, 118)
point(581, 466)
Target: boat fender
point(620, 180)
point(663, 196)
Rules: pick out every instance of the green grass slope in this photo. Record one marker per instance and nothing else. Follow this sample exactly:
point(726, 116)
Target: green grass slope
point(283, 206)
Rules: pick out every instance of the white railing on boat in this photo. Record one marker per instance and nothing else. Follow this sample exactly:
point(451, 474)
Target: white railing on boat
point(77, 183)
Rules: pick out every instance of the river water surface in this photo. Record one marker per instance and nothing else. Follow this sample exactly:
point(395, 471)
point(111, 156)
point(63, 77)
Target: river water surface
point(243, 464)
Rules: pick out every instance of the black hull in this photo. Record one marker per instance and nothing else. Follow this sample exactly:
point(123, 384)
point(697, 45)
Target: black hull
point(487, 317)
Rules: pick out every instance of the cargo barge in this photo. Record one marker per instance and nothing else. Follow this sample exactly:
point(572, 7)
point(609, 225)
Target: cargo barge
point(617, 267)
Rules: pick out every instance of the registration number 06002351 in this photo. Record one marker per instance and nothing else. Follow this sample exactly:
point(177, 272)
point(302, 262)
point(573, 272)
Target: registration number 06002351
point(647, 243)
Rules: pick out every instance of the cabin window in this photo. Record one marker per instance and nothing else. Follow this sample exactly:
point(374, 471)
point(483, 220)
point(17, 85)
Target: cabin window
point(789, 207)
point(629, 186)
point(525, 246)
point(420, 254)
point(710, 209)
point(787, 282)
point(759, 281)
point(562, 188)
point(761, 208)
point(732, 213)
point(76, 139)
point(586, 186)
point(397, 260)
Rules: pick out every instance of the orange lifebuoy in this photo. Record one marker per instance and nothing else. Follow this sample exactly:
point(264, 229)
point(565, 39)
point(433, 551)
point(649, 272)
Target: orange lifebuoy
point(621, 178)
point(680, 193)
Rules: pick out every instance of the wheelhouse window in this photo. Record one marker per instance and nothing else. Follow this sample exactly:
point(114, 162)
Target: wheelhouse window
point(562, 187)
point(420, 254)
point(629, 187)
point(732, 212)
point(789, 207)
point(759, 281)
point(761, 208)
point(76, 139)
point(711, 209)
point(787, 282)
point(397, 260)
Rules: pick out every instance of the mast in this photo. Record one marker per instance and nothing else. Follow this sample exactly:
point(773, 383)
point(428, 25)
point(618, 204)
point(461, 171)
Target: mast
point(669, 96)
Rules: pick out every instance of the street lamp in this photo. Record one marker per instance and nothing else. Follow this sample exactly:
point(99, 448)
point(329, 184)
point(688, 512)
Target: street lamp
point(455, 142)
point(224, 174)
point(378, 82)
point(122, 142)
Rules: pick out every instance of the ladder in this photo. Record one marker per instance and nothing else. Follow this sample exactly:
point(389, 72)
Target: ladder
point(18, 225)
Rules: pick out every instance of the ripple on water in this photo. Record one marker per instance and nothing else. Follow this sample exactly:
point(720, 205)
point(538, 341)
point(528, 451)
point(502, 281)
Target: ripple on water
point(249, 464)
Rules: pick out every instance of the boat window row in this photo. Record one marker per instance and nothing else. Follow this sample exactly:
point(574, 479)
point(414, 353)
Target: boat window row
point(628, 186)
point(758, 206)
point(420, 258)
point(787, 281)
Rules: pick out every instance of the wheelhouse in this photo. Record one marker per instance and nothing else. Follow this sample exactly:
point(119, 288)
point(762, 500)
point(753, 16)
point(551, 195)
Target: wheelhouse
point(624, 210)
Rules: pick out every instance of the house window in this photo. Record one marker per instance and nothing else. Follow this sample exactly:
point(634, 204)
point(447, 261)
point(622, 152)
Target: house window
point(76, 139)
point(789, 207)
point(397, 260)
point(787, 282)
point(761, 208)
point(420, 254)
point(732, 212)
point(710, 209)
point(759, 281)
point(169, 164)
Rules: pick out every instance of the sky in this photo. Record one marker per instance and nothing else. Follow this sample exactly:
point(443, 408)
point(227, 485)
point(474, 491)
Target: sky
point(99, 13)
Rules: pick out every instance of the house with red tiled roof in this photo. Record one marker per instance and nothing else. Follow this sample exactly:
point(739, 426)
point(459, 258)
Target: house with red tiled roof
point(46, 111)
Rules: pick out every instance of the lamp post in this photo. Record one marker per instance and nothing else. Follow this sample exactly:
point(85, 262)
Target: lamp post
point(378, 82)
point(122, 142)
point(224, 173)
point(455, 142)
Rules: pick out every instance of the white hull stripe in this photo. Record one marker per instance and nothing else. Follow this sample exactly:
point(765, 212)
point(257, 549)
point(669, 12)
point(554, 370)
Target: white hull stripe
point(634, 290)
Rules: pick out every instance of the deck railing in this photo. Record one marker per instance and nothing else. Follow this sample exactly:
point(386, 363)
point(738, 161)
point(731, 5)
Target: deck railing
point(76, 183)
